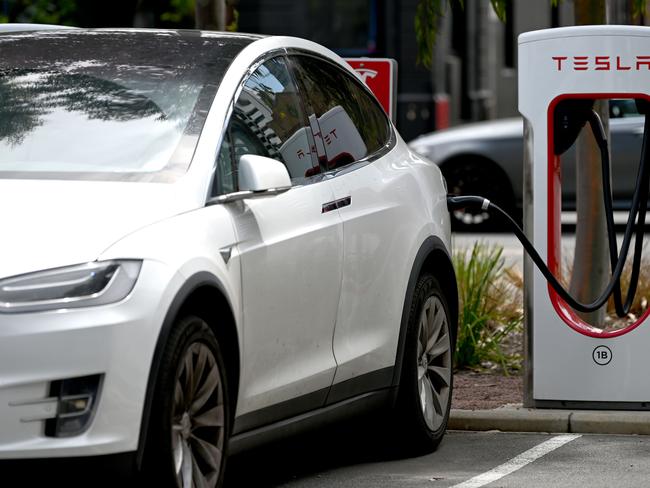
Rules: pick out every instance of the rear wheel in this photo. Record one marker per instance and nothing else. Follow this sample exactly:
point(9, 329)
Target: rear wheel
point(189, 425)
point(426, 382)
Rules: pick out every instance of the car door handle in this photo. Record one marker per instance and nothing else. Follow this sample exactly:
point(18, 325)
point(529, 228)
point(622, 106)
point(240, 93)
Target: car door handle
point(335, 204)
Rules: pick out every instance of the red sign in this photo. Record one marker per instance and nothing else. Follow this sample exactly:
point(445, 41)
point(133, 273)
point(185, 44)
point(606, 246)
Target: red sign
point(380, 75)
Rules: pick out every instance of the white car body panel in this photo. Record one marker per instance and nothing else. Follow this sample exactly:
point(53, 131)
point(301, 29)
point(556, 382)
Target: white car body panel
point(48, 228)
point(40, 347)
point(384, 227)
point(256, 249)
point(17, 27)
point(290, 254)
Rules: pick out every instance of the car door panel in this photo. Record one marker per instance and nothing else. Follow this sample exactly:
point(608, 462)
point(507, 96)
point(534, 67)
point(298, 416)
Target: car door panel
point(377, 231)
point(353, 140)
point(290, 255)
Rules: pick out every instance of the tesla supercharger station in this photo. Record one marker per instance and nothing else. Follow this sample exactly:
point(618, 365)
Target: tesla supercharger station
point(570, 363)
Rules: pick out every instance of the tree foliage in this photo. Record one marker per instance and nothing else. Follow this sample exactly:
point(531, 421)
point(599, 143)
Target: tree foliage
point(427, 15)
point(638, 8)
point(117, 13)
point(429, 12)
point(179, 11)
point(40, 11)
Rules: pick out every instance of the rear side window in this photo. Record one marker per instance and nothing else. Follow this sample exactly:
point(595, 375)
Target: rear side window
point(348, 124)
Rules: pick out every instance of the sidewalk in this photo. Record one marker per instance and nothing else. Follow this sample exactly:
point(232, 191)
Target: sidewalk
point(493, 402)
point(515, 418)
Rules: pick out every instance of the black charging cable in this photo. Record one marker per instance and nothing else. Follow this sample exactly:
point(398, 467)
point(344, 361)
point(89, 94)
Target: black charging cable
point(622, 309)
point(638, 208)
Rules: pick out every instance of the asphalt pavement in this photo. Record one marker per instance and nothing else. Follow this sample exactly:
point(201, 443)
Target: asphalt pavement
point(463, 460)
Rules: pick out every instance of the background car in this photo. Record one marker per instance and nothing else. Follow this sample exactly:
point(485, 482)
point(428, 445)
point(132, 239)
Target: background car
point(210, 240)
point(486, 158)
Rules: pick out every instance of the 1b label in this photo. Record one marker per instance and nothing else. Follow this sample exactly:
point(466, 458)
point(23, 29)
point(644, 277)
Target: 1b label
point(602, 355)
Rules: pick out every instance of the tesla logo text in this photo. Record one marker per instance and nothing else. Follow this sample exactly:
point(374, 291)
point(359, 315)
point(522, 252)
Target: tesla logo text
point(602, 63)
point(366, 73)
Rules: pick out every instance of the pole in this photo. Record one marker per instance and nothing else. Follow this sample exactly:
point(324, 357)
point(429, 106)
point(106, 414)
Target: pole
point(210, 14)
point(590, 263)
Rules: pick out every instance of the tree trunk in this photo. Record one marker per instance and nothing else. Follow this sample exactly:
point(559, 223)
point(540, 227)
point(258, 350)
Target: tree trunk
point(591, 270)
point(210, 14)
point(590, 263)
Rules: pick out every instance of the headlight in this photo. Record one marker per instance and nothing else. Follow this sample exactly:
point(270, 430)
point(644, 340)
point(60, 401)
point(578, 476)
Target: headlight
point(83, 285)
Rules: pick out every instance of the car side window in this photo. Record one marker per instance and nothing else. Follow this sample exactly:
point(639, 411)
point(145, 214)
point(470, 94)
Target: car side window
point(269, 120)
point(347, 123)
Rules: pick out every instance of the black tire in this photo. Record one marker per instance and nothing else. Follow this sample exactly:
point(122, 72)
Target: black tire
point(190, 415)
point(479, 176)
point(418, 431)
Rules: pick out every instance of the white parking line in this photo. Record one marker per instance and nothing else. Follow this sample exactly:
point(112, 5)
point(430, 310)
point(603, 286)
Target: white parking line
point(518, 462)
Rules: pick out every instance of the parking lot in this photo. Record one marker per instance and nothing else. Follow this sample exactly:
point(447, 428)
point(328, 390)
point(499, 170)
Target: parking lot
point(464, 460)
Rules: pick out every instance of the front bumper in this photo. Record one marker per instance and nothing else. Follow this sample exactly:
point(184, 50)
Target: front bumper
point(115, 341)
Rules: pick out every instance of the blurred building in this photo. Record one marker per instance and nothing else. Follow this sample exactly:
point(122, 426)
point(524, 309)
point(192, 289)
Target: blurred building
point(368, 28)
point(475, 62)
point(473, 76)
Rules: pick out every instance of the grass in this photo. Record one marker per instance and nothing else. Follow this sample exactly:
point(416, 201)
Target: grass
point(490, 322)
point(491, 310)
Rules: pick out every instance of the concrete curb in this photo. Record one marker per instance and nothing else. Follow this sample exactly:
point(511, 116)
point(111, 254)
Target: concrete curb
point(519, 419)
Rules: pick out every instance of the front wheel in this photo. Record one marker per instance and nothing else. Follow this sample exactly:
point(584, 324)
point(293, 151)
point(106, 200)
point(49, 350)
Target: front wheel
point(426, 383)
point(189, 425)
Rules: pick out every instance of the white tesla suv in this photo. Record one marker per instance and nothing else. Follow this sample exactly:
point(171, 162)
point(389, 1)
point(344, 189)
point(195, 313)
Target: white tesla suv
point(209, 239)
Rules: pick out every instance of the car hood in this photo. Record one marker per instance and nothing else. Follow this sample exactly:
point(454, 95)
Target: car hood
point(493, 129)
point(47, 224)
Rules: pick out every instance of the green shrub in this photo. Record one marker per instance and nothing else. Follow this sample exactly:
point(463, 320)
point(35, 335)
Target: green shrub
point(491, 310)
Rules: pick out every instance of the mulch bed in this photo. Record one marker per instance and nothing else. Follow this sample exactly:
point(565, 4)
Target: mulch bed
point(480, 391)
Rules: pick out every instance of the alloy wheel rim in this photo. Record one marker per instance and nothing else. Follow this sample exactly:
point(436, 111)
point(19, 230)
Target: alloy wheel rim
point(434, 362)
point(198, 419)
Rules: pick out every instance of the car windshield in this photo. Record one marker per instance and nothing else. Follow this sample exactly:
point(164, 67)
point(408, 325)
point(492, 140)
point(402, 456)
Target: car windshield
point(107, 105)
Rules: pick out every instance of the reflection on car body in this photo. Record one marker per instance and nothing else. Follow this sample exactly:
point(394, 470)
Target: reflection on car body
point(333, 138)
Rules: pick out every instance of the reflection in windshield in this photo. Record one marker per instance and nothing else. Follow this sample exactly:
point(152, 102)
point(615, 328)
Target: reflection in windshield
point(28, 96)
point(100, 102)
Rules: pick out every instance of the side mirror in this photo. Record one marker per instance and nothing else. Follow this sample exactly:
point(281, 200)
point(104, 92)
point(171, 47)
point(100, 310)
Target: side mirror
point(259, 176)
point(258, 173)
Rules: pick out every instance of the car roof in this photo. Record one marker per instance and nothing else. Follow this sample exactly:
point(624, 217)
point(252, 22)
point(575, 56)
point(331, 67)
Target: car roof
point(35, 28)
point(175, 47)
point(18, 27)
